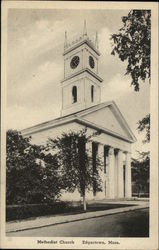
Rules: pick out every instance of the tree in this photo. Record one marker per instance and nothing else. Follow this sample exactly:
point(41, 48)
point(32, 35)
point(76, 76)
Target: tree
point(141, 167)
point(140, 172)
point(133, 43)
point(74, 160)
point(30, 173)
point(144, 125)
point(52, 181)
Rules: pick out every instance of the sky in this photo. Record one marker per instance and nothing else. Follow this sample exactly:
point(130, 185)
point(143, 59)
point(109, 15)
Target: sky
point(35, 44)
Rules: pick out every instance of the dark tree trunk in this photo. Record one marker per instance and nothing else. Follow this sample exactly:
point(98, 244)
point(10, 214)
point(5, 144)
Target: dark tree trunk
point(82, 152)
point(94, 157)
point(84, 203)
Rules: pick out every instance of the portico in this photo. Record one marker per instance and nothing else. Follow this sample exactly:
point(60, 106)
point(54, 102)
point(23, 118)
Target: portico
point(115, 173)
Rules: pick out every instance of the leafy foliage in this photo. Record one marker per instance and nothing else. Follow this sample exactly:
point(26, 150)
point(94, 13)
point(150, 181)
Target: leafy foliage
point(74, 160)
point(31, 173)
point(133, 43)
point(140, 172)
point(144, 125)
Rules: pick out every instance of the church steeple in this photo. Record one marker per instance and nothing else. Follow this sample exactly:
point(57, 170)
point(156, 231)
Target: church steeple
point(65, 43)
point(85, 29)
point(96, 40)
point(81, 84)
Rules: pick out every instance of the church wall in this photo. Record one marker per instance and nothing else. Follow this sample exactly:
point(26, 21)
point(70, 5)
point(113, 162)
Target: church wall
point(67, 93)
point(83, 84)
point(75, 196)
point(83, 52)
point(67, 60)
point(89, 52)
point(41, 137)
point(105, 139)
point(97, 94)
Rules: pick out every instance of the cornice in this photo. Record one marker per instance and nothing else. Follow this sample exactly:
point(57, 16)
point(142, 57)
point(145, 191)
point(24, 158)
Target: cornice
point(79, 120)
point(87, 70)
point(76, 45)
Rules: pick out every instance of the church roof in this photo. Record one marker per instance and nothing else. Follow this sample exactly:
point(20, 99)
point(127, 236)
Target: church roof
point(81, 118)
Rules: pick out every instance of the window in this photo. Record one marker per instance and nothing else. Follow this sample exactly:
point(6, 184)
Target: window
point(74, 94)
point(92, 93)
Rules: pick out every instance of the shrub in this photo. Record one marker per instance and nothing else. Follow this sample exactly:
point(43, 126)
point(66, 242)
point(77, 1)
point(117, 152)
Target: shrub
point(31, 172)
point(18, 212)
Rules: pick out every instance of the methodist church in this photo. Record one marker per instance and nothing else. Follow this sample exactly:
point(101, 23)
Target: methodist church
point(82, 108)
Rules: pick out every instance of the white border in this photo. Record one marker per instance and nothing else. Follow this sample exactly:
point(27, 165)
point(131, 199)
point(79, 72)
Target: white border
point(125, 243)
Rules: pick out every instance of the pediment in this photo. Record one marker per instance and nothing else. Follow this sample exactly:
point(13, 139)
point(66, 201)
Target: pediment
point(105, 117)
point(109, 118)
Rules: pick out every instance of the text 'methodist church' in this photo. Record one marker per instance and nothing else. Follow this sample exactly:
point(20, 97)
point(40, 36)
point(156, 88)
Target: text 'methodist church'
point(82, 107)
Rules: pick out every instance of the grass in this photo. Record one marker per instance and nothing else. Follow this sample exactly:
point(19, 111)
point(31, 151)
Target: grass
point(95, 207)
point(64, 209)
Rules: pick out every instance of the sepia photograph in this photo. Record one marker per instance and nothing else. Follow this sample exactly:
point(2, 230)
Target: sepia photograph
point(79, 167)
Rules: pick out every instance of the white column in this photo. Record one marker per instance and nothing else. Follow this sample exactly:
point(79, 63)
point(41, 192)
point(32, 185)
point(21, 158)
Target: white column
point(101, 195)
point(128, 191)
point(111, 172)
point(120, 183)
point(89, 149)
point(116, 173)
point(106, 184)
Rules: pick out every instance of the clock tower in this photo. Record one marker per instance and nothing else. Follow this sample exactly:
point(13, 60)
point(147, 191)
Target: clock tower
point(81, 86)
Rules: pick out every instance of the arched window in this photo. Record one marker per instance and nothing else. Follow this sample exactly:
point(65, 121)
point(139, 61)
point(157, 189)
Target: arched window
point(74, 94)
point(92, 93)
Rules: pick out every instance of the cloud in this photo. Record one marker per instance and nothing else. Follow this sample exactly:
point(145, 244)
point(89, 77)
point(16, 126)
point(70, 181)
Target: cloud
point(38, 33)
point(138, 145)
point(27, 49)
point(104, 41)
point(35, 62)
point(46, 73)
point(42, 24)
point(133, 105)
point(20, 117)
point(118, 86)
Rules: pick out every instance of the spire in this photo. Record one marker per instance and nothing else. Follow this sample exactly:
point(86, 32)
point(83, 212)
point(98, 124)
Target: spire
point(96, 40)
point(85, 29)
point(65, 43)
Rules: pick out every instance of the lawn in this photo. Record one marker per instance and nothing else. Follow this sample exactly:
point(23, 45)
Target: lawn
point(19, 212)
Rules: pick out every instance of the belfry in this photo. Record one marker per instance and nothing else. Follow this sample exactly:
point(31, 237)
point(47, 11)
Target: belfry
point(82, 108)
point(81, 84)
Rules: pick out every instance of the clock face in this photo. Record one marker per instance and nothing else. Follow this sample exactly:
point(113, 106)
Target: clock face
point(91, 62)
point(74, 62)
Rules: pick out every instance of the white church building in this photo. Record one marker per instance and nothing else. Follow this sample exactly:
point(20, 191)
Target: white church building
point(82, 108)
